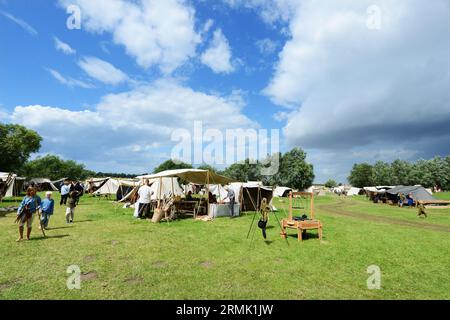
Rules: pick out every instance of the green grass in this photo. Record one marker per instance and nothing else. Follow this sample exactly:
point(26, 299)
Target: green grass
point(442, 195)
point(366, 207)
point(190, 259)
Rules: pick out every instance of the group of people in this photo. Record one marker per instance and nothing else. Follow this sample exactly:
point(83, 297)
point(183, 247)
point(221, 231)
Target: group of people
point(32, 204)
point(405, 200)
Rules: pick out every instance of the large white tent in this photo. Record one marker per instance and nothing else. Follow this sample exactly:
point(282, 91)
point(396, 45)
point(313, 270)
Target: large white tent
point(196, 176)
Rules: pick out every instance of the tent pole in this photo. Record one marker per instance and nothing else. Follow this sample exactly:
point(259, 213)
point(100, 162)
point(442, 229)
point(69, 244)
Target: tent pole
point(159, 192)
point(257, 198)
point(290, 205)
point(207, 193)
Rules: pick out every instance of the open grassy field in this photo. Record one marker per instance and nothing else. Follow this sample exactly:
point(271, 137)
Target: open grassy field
point(123, 258)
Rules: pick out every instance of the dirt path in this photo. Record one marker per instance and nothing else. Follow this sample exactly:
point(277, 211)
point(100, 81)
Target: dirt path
point(339, 209)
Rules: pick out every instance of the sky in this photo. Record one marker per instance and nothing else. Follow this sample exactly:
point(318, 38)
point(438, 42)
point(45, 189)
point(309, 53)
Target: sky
point(348, 81)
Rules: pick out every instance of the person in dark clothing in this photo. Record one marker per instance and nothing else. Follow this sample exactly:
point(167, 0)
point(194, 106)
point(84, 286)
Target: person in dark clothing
point(80, 191)
point(189, 196)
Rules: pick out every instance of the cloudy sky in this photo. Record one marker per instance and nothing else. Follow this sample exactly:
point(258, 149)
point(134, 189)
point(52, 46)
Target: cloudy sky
point(347, 80)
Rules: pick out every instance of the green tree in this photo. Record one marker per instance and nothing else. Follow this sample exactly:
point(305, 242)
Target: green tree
point(54, 168)
point(400, 171)
point(207, 167)
point(17, 143)
point(361, 175)
point(171, 165)
point(294, 171)
point(331, 183)
point(244, 171)
point(381, 174)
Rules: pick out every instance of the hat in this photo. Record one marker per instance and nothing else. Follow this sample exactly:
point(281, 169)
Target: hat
point(48, 193)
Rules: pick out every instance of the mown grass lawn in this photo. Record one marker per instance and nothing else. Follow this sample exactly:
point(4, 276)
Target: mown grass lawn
point(123, 258)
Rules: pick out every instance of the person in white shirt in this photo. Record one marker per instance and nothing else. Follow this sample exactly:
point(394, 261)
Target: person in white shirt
point(65, 190)
point(145, 198)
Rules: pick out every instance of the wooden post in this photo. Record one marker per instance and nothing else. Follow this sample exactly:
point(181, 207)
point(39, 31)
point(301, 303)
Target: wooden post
point(312, 205)
point(290, 206)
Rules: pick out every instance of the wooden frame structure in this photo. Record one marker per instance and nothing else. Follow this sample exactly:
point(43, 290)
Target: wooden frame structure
point(299, 225)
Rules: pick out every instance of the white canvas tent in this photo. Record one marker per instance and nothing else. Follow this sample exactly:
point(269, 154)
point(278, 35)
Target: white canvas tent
point(353, 191)
point(281, 191)
point(12, 184)
point(196, 176)
point(250, 194)
point(94, 184)
point(162, 188)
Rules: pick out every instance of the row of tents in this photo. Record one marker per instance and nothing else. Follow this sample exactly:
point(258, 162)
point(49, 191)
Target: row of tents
point(392, 193)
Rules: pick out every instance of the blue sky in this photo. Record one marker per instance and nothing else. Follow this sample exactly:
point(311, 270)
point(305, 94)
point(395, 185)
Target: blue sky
point(348, 81)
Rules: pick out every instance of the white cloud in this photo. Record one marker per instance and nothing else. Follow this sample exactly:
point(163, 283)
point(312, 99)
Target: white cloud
point(69, 81)
point(102, 71)
point(131, 129)
point(218, 55)
point(360, 85)
point(21, 23)
point(267, 46)
point(271, 11)
point(154, 32)
point(63, 47)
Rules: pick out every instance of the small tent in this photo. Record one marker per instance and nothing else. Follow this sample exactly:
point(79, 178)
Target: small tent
point(10, 185)
point(281, 192)
point(250, 194)
point(353, 191)
point(93, 184)
point(43, 184)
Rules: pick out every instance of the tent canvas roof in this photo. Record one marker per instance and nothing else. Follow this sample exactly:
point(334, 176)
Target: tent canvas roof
point(418, 192)
point(196, 176)
point(279, 191)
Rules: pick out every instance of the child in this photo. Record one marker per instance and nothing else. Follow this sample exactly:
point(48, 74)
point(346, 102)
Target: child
point(26, 211)
point(47, 206)
point(71, 204)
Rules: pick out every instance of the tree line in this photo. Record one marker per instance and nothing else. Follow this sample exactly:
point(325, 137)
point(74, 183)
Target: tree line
point(427, 173)
point(18, 143)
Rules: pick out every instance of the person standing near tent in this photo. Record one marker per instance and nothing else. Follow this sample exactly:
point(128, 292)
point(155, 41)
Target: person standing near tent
point(65, 190)
point(47, 207)
point(80, 189)
point(231, 196)
point(71, 205)
point(145, 198)
point(401, 199)
point(27, 209)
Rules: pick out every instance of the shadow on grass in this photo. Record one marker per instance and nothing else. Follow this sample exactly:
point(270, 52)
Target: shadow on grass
point(49, 237)
point(58, 228)
point(81, 221)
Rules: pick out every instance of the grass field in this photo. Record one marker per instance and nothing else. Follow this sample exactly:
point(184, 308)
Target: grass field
point(123, 258)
